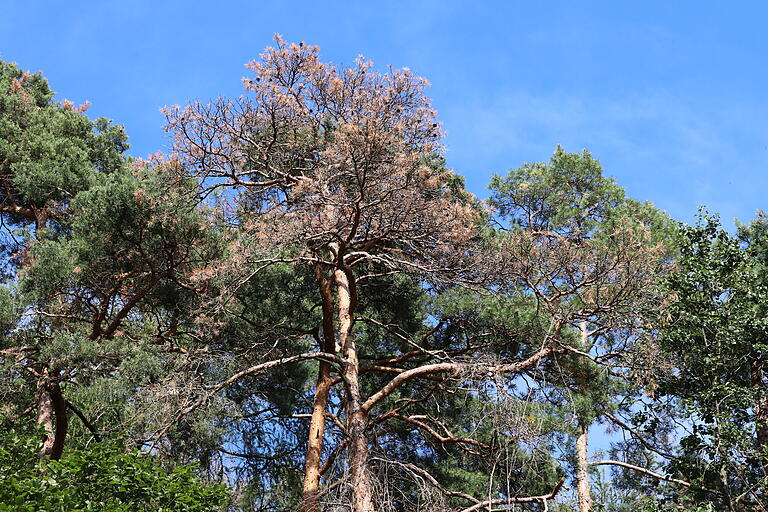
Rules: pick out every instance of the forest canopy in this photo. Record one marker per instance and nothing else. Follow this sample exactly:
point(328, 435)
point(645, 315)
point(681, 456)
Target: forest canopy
point(301, 307)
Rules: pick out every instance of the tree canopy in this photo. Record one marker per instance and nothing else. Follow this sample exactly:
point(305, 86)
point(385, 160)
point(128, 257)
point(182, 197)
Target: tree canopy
point(302, 308)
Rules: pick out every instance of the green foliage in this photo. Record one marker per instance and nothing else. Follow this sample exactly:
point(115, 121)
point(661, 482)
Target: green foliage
point(553, 195)
point(100, 478)
point(136, 297)
point(99, 264)
point(716, 339)
point(48, 150)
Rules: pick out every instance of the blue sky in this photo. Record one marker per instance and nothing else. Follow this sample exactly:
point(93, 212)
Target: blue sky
point(670, 96)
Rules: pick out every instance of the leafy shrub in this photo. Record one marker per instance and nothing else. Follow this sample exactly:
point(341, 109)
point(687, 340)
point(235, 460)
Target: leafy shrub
point(102, 478)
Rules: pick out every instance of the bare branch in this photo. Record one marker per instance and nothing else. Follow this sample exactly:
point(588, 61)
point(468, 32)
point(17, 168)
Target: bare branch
point(650, 473)
point(453, 367)
point(519, 499)
point(212, 390)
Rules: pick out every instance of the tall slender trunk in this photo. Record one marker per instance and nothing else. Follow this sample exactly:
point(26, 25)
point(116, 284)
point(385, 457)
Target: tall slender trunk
point(52, 415)
point(582, 443)
point(311, 499)
point(582, 468)
point(362, 489)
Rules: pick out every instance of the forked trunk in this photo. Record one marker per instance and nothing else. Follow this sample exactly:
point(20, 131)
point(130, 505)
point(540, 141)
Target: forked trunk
point(360, 479)
point(310, 496)
point(52, 415)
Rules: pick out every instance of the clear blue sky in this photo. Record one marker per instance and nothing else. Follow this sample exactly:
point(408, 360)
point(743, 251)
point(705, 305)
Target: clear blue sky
point(672, 97)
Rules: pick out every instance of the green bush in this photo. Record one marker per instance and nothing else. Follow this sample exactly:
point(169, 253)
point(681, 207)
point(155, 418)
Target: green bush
point(102, 478)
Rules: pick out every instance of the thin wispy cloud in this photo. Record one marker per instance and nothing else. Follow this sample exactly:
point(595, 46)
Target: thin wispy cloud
point(660, 146)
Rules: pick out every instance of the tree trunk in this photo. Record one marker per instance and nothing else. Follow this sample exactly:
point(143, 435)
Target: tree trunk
point(761, 407)
point(362, 489)
point(51, 410)
point(311, 500)
point(582, 468)
point(582, 443)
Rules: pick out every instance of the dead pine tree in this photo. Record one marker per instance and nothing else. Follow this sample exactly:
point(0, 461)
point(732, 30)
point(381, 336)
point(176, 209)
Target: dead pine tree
point(337, 169)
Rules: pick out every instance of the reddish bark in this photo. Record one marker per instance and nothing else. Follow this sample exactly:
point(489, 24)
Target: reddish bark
point(362, 489)
point(310, 502)
point(52, 414)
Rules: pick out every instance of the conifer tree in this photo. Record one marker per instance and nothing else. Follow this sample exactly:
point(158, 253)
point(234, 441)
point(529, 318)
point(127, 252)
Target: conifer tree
point(98, 253)
point(592, 259)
